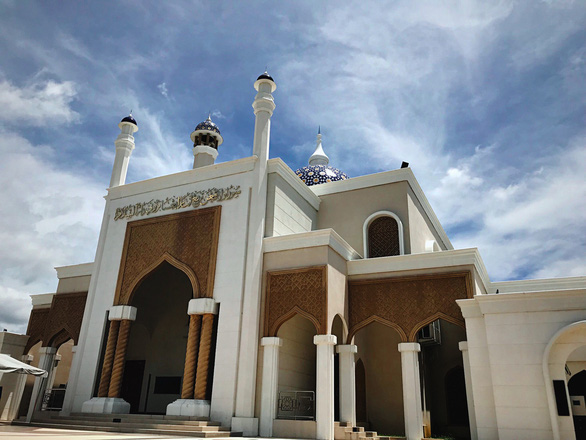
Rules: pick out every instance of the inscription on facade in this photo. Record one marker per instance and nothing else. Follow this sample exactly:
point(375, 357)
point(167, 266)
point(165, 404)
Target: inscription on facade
point(193, 199)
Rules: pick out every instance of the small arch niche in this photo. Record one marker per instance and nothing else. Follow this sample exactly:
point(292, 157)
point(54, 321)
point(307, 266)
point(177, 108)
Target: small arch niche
point(383, 235)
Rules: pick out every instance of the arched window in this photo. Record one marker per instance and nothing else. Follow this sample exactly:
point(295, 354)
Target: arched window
point(383, 235)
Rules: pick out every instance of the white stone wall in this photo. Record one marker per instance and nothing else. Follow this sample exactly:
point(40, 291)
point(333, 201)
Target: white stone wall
point(287, 211)
point(507, 338)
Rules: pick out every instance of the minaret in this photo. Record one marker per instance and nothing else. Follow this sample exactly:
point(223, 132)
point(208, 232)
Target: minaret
point(206, 139)
point(263, 106)
point(124, 146)
point(319, 157)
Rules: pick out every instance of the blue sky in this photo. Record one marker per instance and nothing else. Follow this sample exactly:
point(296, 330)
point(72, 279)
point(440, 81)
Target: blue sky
point(486, 100)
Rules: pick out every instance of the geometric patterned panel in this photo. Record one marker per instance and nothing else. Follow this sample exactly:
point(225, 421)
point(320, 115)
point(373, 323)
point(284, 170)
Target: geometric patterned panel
point(407, 303)
point(383, 237)
point(36, 327)
point(55, 325)
point(297, 291)
point(65, 316)
point(189, 241)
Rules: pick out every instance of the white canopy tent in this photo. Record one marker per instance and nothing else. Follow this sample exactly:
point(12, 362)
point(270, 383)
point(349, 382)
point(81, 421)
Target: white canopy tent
point(10, 365)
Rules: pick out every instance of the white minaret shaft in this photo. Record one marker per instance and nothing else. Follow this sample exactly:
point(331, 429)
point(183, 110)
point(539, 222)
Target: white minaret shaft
point(124, 146)
point(263, 106)
point(319, 157)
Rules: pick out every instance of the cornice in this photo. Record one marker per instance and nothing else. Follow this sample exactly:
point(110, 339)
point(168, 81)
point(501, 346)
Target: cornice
point(431, 260)
point(201, 174)
point(322, 237)
point(74, 270)
point(543, 285)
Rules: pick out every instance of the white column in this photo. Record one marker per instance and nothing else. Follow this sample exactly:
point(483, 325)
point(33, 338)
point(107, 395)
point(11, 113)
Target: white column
point(66, 410)
point(324, 386)
point(411, 390)
point(463, 346)
point(263, 106)
point(46, 356)
point(347, 379)
point(270, 383)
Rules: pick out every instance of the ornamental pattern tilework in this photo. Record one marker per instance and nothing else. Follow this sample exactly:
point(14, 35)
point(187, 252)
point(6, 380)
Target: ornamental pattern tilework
point(189, 241)
point(296, 291)
point(318, 174)
point(407, 303)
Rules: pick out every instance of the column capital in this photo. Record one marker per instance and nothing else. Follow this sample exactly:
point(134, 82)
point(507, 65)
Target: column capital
point(347, 348)
point(47, 350)
point(202, 306)
point(268, 341)
point(463, 345)
point(121, 313)
point(409, 346)
point(27, 358)
point(325, 340)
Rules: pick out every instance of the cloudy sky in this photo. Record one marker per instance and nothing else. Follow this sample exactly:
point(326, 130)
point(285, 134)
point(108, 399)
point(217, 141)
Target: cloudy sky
point(486, 100)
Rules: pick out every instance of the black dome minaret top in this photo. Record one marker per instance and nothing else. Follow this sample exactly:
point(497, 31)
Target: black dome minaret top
point(206, 139)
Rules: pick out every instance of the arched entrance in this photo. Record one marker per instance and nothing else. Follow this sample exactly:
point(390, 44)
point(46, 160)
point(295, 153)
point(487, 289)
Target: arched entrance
point(379, 388)
point(296, 386)
point(442, 376)
point(155, 355)
point(340, 332)
point(563, 361)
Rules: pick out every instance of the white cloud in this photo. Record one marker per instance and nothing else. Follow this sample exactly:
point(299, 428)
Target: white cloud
point(38, 104)
point(163, 89)
point(49, 217)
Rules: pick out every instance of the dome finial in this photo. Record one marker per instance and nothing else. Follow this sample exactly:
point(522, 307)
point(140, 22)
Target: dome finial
point(319, 157)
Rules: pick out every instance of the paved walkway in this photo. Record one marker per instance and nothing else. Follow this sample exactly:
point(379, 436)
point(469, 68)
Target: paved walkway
point(9, 432)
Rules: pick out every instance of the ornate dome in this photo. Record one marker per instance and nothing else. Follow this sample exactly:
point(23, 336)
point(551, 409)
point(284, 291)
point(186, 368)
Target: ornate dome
point(207, 125)
point(318, 174)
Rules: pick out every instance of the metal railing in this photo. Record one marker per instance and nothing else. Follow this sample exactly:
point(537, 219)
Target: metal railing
point(296, 405)
point(53, 399)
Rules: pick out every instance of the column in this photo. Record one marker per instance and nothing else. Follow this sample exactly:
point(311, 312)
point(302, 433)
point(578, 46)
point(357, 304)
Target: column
point(50, 380)
point(67, 401)
point(46, 356)
point(193, 401)
point(324, 389)
point(463, 346)
point(411, 390)
point(347, 391)
point(19, 389)
point(109, 400)
point(108, 359)
point(191, 357)
point(269, 385)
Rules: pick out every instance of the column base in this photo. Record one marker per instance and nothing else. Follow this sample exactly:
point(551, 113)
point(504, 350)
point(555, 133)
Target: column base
point(106, 405)
point(248, 426)
point(189, 407)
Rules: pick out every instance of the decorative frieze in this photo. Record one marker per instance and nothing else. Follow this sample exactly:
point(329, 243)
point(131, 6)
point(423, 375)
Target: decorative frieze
point(193, 199)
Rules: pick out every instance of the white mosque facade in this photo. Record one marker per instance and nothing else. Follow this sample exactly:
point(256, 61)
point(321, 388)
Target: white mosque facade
point(304, 305)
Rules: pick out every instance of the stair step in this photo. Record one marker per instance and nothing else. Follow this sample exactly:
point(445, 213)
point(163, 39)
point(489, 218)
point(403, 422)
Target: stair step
point(134, 420)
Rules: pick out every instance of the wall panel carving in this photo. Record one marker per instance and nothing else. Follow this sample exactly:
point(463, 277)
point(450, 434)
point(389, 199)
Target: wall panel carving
point(59, 323)
point(36, 327)
point(187, 240)
point(297, 291)
point(407, 303)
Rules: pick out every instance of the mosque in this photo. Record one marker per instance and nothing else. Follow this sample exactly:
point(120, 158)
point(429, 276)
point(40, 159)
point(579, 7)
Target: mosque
point(298, 304)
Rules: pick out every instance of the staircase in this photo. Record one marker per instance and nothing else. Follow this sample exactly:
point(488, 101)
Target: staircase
point(345, 431)
point(134, 423)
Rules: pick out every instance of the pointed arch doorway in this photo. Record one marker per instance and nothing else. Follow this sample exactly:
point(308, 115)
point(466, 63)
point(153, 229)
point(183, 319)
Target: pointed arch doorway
point(156, 347)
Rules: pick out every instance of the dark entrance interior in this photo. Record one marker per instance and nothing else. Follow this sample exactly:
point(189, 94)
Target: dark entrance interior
point(156, 348)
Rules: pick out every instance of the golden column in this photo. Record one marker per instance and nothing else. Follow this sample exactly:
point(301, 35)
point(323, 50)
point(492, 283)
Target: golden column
point(205, 345)
point(113, 366)
point(191, 357)
point(119, 358)
point(108, 359)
